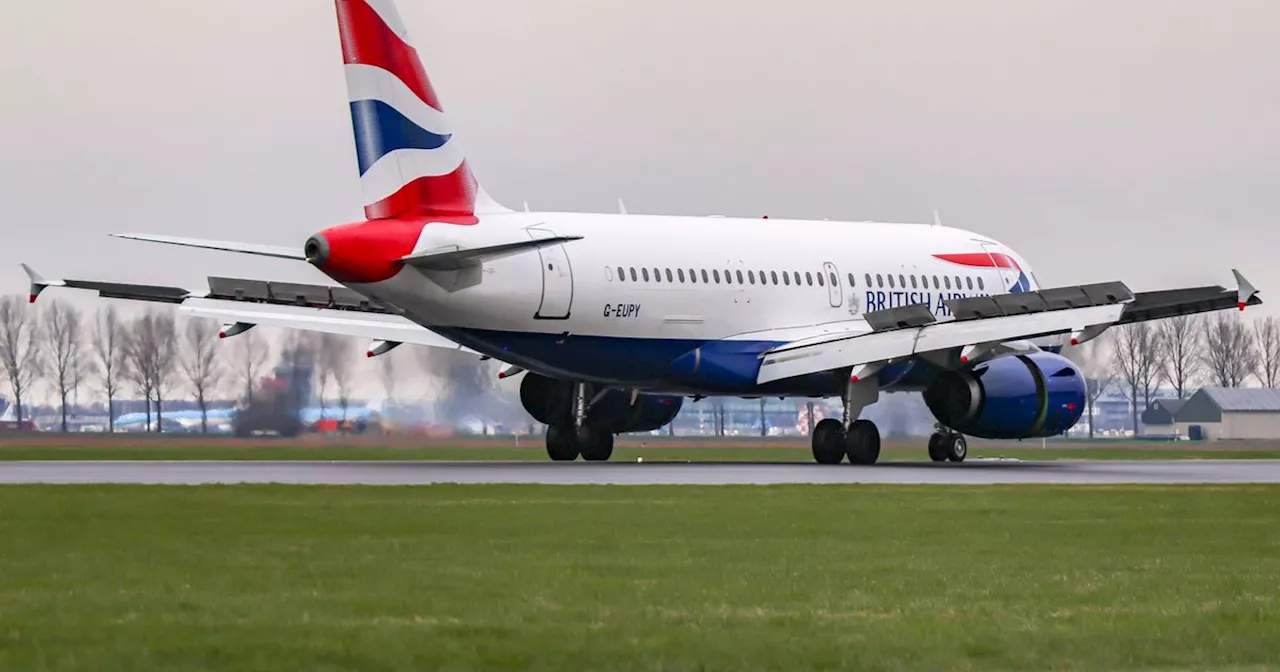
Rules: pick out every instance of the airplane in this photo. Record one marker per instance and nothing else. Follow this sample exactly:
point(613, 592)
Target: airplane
point(616, 319)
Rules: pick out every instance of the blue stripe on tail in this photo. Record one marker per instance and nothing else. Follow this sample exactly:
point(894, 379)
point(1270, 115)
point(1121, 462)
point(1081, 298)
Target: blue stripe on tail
point(380, 130)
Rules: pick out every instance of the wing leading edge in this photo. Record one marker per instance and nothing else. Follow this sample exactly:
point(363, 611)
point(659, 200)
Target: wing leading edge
point(980, 325)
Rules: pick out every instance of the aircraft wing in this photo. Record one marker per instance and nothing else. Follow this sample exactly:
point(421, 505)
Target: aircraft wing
point(243, 303)
point(980, 326)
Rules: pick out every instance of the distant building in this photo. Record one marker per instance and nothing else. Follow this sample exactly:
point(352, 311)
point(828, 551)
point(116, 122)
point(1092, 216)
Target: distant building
point(1160, 418)
point(1216, 413)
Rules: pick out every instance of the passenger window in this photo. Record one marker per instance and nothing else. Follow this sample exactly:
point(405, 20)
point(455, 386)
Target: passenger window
point(670, 278)
point(622, 274)
point(704, 276)
point(680, 274)
point(867, 277)
point(773, 275)
point(936, 284)
point(797, 276)
point(832, 278)
point(633, 274)
point(913, 282)
point(891, 282)
point(786, 278)
point(739, 274)
point(980, 285)
point(763, 278)
point(808, 278)
point(819, 279)
point(715, 273)
point(948, 281)
point(751, 275)
point(851, 282)
point(957, 282)
point(902, 281)
point(969, 281)
point(645, 272)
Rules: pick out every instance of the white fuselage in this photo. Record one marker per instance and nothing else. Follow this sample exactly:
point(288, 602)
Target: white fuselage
point(637, 291)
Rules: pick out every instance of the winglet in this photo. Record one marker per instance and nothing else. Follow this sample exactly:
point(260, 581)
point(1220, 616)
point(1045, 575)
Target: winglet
point(38, 283)
point(1245, 290)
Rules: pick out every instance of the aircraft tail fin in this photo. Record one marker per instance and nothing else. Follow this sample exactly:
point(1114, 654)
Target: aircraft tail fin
point(410, 163)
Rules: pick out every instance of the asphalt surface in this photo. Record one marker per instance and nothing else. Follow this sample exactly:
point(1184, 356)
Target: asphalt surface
point(974, 472)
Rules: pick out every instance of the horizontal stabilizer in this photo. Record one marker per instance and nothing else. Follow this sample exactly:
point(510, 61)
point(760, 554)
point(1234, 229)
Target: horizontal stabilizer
point(277, 251)
point(454, 258)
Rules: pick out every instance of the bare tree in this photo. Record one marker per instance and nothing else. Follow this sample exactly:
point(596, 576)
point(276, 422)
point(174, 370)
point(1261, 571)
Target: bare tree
point(1267, 338)
point(1230, 355)
point(1180, 345)
point(764, 427)
point(1097, 370)
point(200, 364)
point(251, 356)
point(1137, 358)
point(388, 374)
point(109, 354)
point(64, 365)
point(152, 357)
point(19, 349)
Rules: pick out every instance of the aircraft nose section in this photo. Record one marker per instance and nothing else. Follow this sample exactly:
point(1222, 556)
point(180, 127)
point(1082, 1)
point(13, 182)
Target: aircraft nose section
point(317, 249)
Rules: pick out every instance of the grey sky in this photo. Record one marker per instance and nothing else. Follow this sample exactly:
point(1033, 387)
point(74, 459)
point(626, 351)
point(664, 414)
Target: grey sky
point(1103, 140)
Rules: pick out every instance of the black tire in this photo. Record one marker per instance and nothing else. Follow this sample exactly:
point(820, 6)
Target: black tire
point(862, 442)
point(828, 441)
point(937, 447)
point(956, 448)
point(595, 443)
point(562, 443)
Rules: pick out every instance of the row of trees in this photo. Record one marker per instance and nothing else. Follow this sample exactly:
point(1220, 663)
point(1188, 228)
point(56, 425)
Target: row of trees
point(66, 348)
point(1185, 353)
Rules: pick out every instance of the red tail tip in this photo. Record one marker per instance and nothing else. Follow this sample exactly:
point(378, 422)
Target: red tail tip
point(368, 353)
point(1242, 304)
point(1075, 341)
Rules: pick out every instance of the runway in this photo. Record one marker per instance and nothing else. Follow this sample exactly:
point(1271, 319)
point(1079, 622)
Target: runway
point(975, 472)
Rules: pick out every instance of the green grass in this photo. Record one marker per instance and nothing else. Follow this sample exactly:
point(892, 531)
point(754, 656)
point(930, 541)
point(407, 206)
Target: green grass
point(533, 451)
point(560, 578)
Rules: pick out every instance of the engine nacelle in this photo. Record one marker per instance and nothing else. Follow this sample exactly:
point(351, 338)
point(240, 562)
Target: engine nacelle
point(550, 401)
point(1010, 397)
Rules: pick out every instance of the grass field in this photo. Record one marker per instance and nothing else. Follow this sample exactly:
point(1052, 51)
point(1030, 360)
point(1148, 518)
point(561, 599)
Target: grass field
point(557, 578)
point(625, 452)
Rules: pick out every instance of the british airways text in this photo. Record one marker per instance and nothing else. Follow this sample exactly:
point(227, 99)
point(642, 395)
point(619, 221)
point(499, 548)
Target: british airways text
point(885, 300)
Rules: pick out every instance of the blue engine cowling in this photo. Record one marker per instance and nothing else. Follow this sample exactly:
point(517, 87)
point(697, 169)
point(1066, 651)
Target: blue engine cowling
point(1010, 397)
point(549, 401)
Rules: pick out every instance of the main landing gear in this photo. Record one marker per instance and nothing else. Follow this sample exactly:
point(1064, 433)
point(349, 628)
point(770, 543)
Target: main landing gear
point(567, 440)
point(946, 444)
point(859, 440)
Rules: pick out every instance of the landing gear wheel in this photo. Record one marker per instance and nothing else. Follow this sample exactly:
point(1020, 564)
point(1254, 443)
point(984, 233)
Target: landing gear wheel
point(862, 442)
point(562, 443)
point(595, 443)
point(956, 447)
point(828, 441)
point(937, 447)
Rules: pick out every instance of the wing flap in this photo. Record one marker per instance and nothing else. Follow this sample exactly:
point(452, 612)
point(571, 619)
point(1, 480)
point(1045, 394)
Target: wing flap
point(373, 326)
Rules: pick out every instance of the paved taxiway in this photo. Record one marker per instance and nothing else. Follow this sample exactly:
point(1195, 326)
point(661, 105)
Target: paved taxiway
point(974, 472)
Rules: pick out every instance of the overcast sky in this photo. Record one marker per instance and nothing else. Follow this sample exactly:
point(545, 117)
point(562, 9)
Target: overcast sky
point(1103, 140)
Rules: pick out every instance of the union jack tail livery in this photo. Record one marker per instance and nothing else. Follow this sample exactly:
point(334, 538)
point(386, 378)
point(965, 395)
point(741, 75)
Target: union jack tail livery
point(410, 163)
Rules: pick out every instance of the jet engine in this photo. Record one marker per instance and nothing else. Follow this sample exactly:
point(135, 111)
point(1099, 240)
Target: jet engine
point(1010, 397)
point(550, 401)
